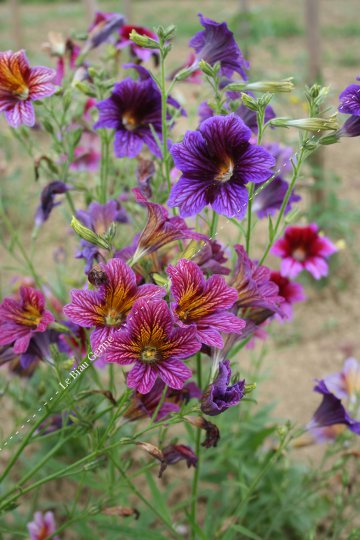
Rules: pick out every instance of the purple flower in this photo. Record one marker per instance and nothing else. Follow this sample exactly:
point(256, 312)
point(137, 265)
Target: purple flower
point(177, 452)
point(349, 100)
point(151, 342)
point(131, 109)
point(351, 127)
point(346, 383)
point(217, 162)
point(107, 307)
point(210, 258)
point(219, 396)
point(216, 43)
point(21, 319)
point(21, 84)
point(47, 200)
point(101, 29)
point(42, 526)
point(331, 411)
point(271, 197)
point(202, 304)
point(98, 217)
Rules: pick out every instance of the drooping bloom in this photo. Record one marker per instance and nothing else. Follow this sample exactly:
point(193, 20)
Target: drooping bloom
point(65, 50)
point(290, 291)
point(131, 109)
point(331, 411)
point(219, 396)
point(141, 53)
point(349, 100)
point(216, 43)
point(102, 28)
point(151, 342)
point(160, 230)
point(211, 258)
point(303, 248)
point(21, 319)
point(270, 198)
point(351, 128)
point(107, 307)
point(203, 304)
point(346, 383)
point(177, 452)
point(42, 526)
point(217, 162)
point(145, 405)
point(20, 85)
point(98, 217)
point(47, 200)
point(253, 284)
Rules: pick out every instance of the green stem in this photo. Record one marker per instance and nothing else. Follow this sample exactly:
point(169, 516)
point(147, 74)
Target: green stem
point(104, 169)
point(195, 484)
point(164, 126)
point(214, 224)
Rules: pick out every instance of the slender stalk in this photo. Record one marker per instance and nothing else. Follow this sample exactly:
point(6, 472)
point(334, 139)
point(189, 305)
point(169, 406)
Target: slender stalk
point(196, 477)
point(214, 224)
point(104, 169)
point(164, 126)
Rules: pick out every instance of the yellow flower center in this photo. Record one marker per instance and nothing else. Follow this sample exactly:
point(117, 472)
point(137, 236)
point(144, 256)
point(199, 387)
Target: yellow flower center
point(113, 318)
point(225, 171)
point(130, 123)
point(29, 317)
point(149, 355)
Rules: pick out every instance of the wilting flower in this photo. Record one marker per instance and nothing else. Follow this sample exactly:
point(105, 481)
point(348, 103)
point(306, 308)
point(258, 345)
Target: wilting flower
point(21, 84)
point(177, 452)
point(302, 248)
point(154, 345)
point(131, 109)
point(141, 53)
point(219, 396)
point(47, 200)
point(216, 43)
point(290, 291)
point(331, 411)
point(210, 257)
point(107, 307)
point(98, 217)
point(160, 230)
point(350, 100)
point(203, 304)
point(217, 162)
point(42, 527)
point(143, 405)
point(271, 197)
point(253, 284)
point(346, 383)
point(212, 432)
point(65, 50)
point(102, 28)
point(21, 319)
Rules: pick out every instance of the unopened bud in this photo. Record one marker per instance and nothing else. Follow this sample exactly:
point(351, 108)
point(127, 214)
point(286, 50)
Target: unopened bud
point(308, 124)
point(84, 88)
point(88, 234)
point(274, 87)
point(249, 102)
point(249, 388)
point(184, 74)
point(143, 41)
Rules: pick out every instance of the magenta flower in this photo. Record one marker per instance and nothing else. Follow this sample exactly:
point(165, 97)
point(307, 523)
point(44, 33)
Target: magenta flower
point(42, 527)
point(107, 307)
point(217, 162)
point(202, 304)
point(216, 43)
point(151, 342)
point(302, 248)
point(21, 319)
point(346, 383)
point(211, 258)
point(219, 396)
point(290, 291)
point(21, 84)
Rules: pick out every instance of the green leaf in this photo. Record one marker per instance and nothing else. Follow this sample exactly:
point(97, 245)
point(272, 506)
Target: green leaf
point(246, 532)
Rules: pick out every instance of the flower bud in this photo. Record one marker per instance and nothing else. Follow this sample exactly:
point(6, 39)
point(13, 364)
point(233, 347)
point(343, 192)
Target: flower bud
point(249, 388)
point(143, 41)
point(249, 102)
point(183, 74)
point(308, 124)
point(274, 87)
point(88, 234)
point(84, 88)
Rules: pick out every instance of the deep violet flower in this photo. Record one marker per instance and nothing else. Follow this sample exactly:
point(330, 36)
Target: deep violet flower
point(219, 396)
point(217, 162)
point(351, 128)
point(47, 200)
point(151, 342)
point(21, 319)
point(98, 217)
point(290, 291)
point(21, 84)
point(211, 258)
point(131, 109)
point(141, 53)
point(42, 526)
point(349, 100)
point(107, 307)
point(216, 43)
point(331, 411)
point(254, 285)
point(160, 230)
point(270, 198)
point(302, 248)
point(346, 383)
point(203, 304)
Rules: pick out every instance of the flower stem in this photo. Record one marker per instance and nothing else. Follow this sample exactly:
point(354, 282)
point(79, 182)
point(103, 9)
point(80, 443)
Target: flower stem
point(195, 484)
point(164, 126)
point(104, 170)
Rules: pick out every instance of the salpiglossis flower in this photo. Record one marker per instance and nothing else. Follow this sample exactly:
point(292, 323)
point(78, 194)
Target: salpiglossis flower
point(42, 526)
point(219, 396)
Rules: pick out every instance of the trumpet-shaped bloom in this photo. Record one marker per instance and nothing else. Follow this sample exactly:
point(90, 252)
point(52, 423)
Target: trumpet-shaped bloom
point(21, 319)
point(211, 258)
point(154, 346)
point(302, 248)
point(290, 291)
point(42, 526)
point(47, 201)
point(131, 109)
point(346, 383)
point(21, 84)
point(331, 411)
point(217, 162)
point(216, 43)
point(270, 198)
point(219, 396)
point(349, 100)
point(107, 307)
point(203, 304)
point(141, 53)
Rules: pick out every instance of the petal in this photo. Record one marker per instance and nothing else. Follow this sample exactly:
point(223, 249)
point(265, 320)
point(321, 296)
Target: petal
point(127, 143)
point(211, 337)
point(22, 113)
point(142, 377)
point(174, 373)
point(225, 134)
point(189, 196)
point(255, 165)
point(85, 308)
point(290, 267)
point(231, 200)
point(317, 267)
point(224, 322)
point(187, 280)
point(192, 158)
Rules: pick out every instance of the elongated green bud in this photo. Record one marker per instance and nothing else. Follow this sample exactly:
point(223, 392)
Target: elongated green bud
point(274, 87)
point(308, 124)
point(143, 41)
point(88, 234)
